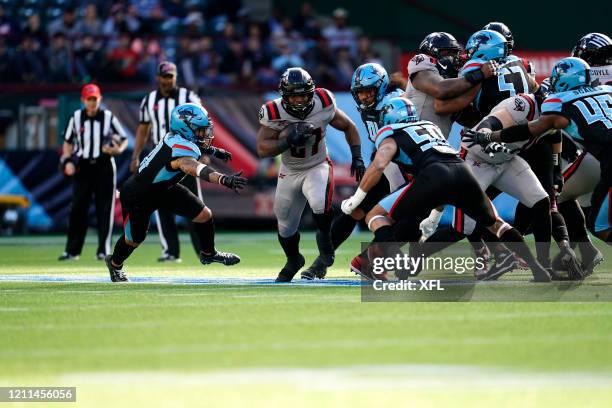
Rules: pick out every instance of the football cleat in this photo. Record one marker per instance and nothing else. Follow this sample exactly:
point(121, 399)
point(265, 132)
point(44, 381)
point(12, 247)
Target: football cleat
point(100, 256)
point(485, 254)
point(571, 264)
point(169, 258)
point(317, 270)
point(67, 257)
point(225, 258)
point(292, 266)
point(504, 262)
point(591, 257)
point(116, 274)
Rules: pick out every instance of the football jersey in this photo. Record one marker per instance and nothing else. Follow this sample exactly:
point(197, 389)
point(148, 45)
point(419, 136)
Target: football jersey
point(418, 144)
point(371, 117)
point(523, 108)
point(602, 74)
point(423, 102)
point(511, 80)
point(155, 169)
point(273, 115)
point(589, 111)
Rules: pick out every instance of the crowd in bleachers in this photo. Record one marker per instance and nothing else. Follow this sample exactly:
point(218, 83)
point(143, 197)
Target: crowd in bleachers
point(213, 42)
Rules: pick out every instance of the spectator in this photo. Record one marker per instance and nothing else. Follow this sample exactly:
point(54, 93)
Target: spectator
point(339, 35)
point(194, 23)
point(118, 22)
point(34, 30)
point(306, 22)
point(88, 60)
point(90, 24)
point(65, 24)
point(320, 62)
point(286, 33)
point(187, 60)
point(123, 60)
point(232, 64)
point(365, 53)
point(29, 61)
point(175, 8)
point(8, 29)
point(7, 65)
point(286, 59)
point(59, 59)
point(345, 67)
point(207, 62)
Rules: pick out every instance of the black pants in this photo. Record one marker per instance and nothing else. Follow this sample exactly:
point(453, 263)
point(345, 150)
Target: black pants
point(139, 202)
point(438, 184)
point(93, 178)
point(166, 224)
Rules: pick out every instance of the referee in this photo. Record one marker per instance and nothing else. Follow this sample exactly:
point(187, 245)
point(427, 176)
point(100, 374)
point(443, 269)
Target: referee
point(92, 137)
point(154, 123)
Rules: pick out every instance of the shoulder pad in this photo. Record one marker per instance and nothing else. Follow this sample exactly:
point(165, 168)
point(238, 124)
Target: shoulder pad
point(421, 62)
point(552, 104)
point(471, 65)
point(382, 134)
point(182, 147)
point(526, 102)
point(326, 97)
point(269, 111)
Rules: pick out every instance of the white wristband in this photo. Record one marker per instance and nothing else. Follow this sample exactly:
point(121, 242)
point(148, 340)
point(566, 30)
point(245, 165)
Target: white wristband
point(199, 169)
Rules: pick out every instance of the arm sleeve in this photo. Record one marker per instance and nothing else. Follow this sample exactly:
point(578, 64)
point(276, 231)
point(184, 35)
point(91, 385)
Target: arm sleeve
point(117, 129)
point(69, 133)
point(471, 65)
point(143, 116)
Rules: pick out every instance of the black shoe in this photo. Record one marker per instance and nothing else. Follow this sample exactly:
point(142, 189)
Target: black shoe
point(169, 258)
point(504, 262)
point(540, 274)
point(225, 258)
point(100, 256)
point(570, 264)
point(318, 269)
point(591, 257)
point(292, 266)
point(67, 257)
point(116, 275)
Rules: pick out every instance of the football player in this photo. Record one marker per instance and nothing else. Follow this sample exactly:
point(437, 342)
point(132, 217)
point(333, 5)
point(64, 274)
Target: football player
point(584, 112)
point(370, 90)
point(505, 31)
point(440, 177)
point(294, 126)
point(155, 185)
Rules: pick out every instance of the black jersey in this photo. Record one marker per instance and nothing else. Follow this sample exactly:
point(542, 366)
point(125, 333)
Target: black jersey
point(155, 170)
point(589, 111)
point(511, 80)
point(371, 116)
point(418, 144)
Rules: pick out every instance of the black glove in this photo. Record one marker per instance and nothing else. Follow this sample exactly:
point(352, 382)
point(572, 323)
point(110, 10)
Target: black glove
point(475, 138)
point(234, 181)
point(495, 147)
point(217, 152)
point(300, 133)
point(357, 166)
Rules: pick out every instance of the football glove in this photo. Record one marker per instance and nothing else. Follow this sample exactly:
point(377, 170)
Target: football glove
point(233, 181)
point(219, 153)
point(496, 147)
point(473, 137)
point(357, 165)
point(300, 133)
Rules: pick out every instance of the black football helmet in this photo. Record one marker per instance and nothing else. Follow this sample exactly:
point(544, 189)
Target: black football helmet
point(434, 44)
point(594, 48)
point(296, 81)
point(503, 30)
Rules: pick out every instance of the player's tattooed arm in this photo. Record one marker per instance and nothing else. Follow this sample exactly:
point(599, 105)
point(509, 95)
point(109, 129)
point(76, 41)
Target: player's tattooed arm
point(518, 133)
point(453, 105)
point(191, 166)
point(269, 144)
point(435, 85)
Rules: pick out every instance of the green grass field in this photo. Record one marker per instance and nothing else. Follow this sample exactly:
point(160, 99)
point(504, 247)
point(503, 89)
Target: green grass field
point(173, 345)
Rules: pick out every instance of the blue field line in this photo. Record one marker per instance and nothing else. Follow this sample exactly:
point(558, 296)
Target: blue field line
point(177, 280)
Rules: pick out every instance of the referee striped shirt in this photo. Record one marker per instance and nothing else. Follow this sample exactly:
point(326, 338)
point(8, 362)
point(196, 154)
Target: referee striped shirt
point(155, 110)
point(89, 133)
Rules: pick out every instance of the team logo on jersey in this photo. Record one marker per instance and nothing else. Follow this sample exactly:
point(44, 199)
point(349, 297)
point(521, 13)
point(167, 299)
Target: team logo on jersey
point(261, 113)
point(519, 105)
point(418, 59)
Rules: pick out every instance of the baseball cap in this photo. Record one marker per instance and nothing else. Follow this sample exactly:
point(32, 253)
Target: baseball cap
point(90, 90)
point(166, 68)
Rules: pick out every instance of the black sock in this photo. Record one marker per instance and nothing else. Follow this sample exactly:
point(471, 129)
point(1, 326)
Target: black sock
point(121, 252)
point(574, 221)
point(559, 230)
point(523, 217)
point(206, 233)
point(514, 241)
point(406, 230)
point(291, 245)
point(384, 234)
point(324, 242)
point(542, 230)
point(341, 228)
